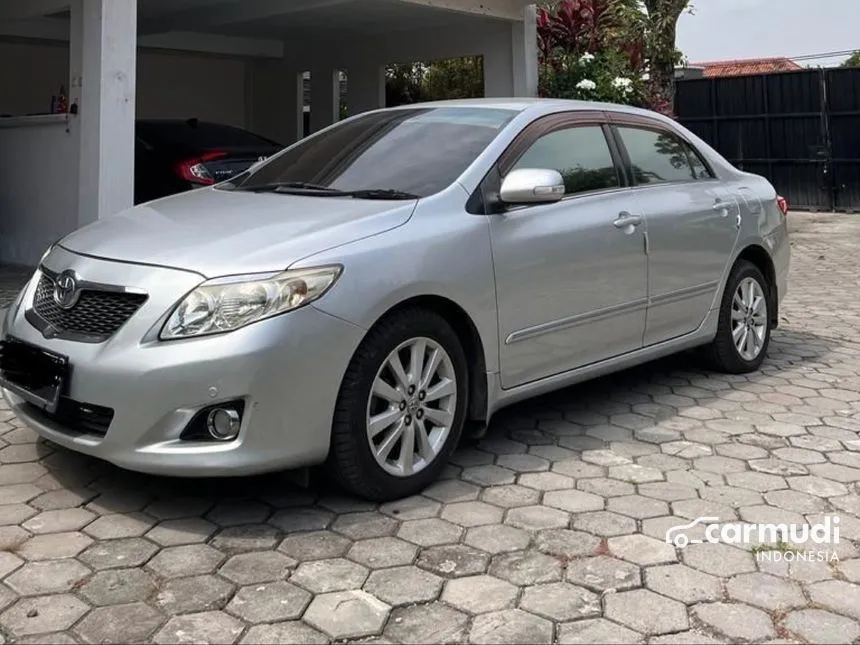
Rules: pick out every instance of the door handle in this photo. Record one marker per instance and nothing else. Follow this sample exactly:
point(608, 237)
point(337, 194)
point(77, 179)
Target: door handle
point(626, 219)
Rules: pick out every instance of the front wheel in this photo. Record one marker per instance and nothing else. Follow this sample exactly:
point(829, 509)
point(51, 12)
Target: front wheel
point(401, 407)
point(743, 331)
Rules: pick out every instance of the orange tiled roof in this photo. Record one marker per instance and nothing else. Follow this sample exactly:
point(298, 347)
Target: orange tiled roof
point(743, 67)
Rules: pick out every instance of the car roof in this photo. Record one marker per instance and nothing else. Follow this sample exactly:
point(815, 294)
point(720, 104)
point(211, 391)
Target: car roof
point(525, 104)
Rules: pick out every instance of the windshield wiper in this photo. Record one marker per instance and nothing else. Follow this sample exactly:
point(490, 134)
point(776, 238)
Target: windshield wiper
point(285, 186)
point(324, 191)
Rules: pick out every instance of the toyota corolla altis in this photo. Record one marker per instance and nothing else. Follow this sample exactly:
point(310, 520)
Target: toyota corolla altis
point(363, 296)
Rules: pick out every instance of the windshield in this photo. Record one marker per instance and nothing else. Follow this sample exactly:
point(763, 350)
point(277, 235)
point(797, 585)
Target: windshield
point(418, 151)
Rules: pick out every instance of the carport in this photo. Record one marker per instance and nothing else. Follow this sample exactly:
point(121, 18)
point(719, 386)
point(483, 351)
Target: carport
point(62, 171)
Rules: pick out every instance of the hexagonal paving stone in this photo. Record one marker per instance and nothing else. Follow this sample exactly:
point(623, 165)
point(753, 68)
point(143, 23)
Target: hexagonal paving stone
point(184, 561)
point(269, 602)
point(430, 623)
point(718, 559)
point(314, 545)
point(573, 501)
point(479, 594)
point(817, 486)
point(596, 630)
point(238, 512)
point(682, 583)
point(452, 490)
point(43, 614)
point(129, 623)
point(294, 520)
point(430, 532)
point(116, 554)
point(641, 549)
point(768, 592)
point(510, 626)
point(262, 566)
point(454, 560)
point(52, 576)
point(172, 508)
point(511, 495)
point(196, 594)
point(523, 463)
point(536, 518)
point(735, 621)
point(819, 626)
point(379, 553)
point(403, 585)
point(324, 576)
point(602, 573)
point(545, 481)
point(416, 507)
point(250, 537)
point(526, 567)
point(118, 587)
point(363, 526)
point(347, 614)
point(637, 506)
point(294, 631)
point(9, 563)
point(635, 474)
point(54, 546)
point(469, 514)
point(606, 487)
point(842, 597)
point(566, 543)
point(204, 627)
point(646, 612)
point(604, 523)
point(186, 530)
point(497, 539)
point(560, 601)
point(119, 525)
point(59, 521)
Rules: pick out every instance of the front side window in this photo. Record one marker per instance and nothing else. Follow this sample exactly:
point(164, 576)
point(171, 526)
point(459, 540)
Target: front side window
point(413, 151)
point(656, 157)
point(581, 154)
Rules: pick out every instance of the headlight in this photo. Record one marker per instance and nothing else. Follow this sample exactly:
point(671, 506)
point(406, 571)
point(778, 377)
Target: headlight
point(226, 304)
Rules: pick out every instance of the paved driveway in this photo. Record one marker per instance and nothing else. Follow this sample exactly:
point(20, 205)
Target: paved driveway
point(551, 530)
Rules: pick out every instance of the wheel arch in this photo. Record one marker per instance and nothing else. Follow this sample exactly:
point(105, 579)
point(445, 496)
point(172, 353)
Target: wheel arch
point(471, 340)
point(760, 258)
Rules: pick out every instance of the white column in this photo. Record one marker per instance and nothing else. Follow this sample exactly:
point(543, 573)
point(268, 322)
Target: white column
point(365, 88)
point(511, 63)
point(525, 54)
point(325, 98)
point(106, 55)
point(275, 101)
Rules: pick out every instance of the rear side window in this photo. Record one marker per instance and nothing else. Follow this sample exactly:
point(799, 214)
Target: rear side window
point(201, 135)
point(580, 153)
point(657, 157)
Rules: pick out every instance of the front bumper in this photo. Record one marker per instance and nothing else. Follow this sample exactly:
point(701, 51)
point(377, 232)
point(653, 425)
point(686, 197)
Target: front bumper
point(287, 370)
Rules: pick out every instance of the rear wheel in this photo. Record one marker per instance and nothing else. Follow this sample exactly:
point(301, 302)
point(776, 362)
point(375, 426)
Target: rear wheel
point(743, 332)
point(401, 407)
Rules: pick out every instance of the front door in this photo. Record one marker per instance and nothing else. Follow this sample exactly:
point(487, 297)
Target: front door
point(571, 277)
point(692, 228)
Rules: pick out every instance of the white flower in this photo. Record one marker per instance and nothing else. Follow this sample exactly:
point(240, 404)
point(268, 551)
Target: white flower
point(586, 58)
point(586, 84)
point(623, 84)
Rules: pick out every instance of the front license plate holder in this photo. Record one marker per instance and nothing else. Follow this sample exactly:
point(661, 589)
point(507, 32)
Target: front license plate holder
point(36, 375)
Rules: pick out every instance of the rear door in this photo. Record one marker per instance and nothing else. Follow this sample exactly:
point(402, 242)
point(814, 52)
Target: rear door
point(692, 225)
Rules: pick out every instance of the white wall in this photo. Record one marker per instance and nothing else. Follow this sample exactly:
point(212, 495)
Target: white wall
point(38, 190)
point(169, 84)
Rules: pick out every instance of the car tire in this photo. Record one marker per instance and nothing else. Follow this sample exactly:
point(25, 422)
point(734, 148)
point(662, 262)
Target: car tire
point(739, 324)
point(360, 436)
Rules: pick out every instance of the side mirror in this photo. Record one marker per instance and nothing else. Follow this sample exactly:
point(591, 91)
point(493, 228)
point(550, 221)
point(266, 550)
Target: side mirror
point(532, 186)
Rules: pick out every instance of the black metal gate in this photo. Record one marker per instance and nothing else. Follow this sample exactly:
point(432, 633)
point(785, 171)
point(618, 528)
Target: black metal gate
point(799, 129)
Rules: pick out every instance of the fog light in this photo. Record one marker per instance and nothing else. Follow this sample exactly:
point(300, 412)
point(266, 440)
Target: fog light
point(223, 424)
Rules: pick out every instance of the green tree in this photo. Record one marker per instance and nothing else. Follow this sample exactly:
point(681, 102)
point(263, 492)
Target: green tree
point(455, 78)
point(660, 28)
point(853, 60)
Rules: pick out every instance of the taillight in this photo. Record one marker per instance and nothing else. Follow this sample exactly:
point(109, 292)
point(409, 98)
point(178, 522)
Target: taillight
point(782, 202)
point(194, 170)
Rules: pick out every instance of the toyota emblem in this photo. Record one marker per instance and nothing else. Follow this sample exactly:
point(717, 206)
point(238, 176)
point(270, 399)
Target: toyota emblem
point(66, 291)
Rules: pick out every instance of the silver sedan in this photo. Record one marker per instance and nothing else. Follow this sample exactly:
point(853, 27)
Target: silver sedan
point(374, 292)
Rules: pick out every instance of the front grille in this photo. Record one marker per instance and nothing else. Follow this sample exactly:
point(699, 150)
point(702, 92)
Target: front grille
point(95, 317)
point(76, 418)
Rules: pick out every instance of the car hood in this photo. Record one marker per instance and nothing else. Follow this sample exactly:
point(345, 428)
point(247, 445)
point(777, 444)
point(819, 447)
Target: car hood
point(218, 232)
